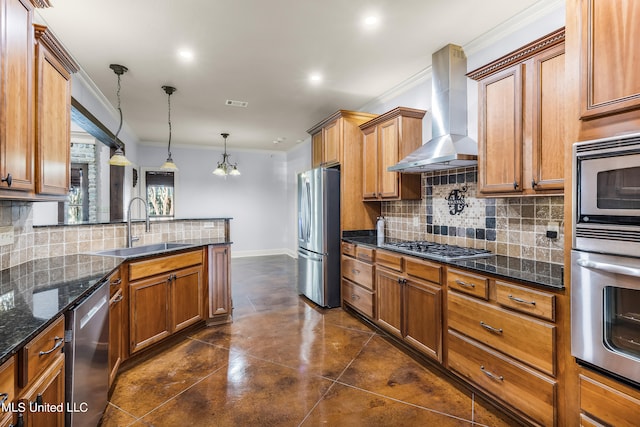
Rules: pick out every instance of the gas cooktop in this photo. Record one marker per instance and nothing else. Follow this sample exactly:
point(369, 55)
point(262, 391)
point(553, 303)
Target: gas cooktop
point(438, 251)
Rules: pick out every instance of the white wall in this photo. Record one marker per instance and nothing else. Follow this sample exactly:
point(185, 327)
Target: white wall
point(256, 200)
point(298, 160)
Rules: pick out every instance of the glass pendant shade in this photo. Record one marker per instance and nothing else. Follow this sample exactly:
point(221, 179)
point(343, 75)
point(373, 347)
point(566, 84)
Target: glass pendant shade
point(225, 167)
point(169, 165)
point(118, 158)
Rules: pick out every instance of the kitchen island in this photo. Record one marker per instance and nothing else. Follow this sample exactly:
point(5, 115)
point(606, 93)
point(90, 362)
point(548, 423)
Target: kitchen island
point(35, 298)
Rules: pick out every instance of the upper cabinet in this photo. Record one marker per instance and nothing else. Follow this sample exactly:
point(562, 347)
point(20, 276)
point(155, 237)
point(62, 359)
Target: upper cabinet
point(337, 141)
point(522, 119)
point(16, 95)
point(53, 68)
point(609, 80)
point(35, 118)
point(386, 140)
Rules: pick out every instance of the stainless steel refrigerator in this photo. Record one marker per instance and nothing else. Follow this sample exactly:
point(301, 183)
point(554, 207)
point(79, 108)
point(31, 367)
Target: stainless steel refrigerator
point(319, 236)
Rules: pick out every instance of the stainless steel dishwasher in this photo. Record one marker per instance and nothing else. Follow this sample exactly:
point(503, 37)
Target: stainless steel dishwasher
point(87, 359)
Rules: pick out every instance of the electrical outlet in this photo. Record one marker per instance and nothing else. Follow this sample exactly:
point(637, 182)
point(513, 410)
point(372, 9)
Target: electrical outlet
point(6, 235)
point(553, 229)
point(416, 221)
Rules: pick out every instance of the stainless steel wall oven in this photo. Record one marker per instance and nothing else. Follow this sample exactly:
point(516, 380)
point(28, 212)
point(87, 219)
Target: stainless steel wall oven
point(605, 260)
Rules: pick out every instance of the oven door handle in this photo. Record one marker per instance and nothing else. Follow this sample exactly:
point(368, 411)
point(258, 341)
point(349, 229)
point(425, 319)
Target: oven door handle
point(610, 268)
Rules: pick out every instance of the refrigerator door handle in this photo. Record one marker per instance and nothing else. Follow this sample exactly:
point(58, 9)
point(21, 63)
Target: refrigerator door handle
point(309, 255)
point(308, 215)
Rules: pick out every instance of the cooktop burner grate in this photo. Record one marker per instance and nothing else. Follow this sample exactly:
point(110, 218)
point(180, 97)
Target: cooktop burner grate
point(439, 251)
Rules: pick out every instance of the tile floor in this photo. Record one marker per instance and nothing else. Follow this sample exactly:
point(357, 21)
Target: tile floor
point(285, 362)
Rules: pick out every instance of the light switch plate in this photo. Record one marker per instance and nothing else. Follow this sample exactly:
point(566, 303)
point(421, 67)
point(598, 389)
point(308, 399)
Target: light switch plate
point(6, 235)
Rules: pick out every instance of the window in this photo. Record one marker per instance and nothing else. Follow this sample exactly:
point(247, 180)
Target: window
point(160, 193)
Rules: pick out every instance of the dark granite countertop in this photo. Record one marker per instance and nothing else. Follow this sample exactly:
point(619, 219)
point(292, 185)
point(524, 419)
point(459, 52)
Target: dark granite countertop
point(35, 293)
point(532, 272)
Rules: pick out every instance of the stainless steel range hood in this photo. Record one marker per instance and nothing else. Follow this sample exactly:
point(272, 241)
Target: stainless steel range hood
point(450, 147)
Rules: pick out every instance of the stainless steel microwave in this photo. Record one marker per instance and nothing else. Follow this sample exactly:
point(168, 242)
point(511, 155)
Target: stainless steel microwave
point(606, 195)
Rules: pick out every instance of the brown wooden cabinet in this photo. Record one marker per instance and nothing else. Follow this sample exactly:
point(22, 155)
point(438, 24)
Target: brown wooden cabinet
point(409, 301)
point(606, 402)
point(501, 338)
point(220, 303)
point(165, 296)
point(16, 96)
point(386, 140)
point(53, 68)
point(7, 389)
point(339, 141)
point(522, 120)
point(41, 375)
point(609, 83)
point(358, 285)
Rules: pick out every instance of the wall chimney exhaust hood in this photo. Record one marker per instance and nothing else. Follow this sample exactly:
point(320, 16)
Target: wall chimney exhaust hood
point(450, 147)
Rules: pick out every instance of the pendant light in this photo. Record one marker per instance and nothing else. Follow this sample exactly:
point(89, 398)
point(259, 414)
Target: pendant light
point(225, 167)
point(169, 165)
point(118, 158)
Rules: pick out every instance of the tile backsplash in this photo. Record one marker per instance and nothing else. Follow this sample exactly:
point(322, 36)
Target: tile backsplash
point(450, 212)
point(31, 242)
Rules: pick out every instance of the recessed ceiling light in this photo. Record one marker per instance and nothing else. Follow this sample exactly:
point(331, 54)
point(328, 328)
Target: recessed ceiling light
point(186, 54)
point(371, 20)
point(315, 78)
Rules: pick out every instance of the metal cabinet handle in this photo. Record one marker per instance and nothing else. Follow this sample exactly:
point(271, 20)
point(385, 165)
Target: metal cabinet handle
point(521, 301)
point(354, 296)
point(491, 374)
point(39, 399)
point(515, 185)
point(490, 328)
point(116, 282)
point(533, 183)
point(58, 342)
point(465, 284)
point(118, 299)
point(8, 179)
point(354, 271)
point(4, 398)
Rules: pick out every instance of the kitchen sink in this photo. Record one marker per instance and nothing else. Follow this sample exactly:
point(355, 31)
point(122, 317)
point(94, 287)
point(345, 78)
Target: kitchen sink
point(142, 250)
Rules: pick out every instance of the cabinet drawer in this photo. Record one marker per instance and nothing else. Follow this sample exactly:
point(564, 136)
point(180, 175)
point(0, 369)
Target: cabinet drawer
point(357, 297)
point(423, 270)
point(8, 381)
point(609, 405)
point(526, 339)
point(365, 254)
point(358, 272)
point(40, 351)
point(540, 304)
point(468, 283)
point(520, 387)
point(389, 260)
point(348, 249)
point(151, 267)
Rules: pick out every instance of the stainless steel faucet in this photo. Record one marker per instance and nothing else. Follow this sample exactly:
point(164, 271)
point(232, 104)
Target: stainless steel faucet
point(130, 238)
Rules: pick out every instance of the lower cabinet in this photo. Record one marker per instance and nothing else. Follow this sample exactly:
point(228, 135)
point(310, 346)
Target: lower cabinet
point(165, 296)
point(7, 389)
point(220, 304)
point(409, 301)
point(605, 402)
point(47, 390)
point(358, 288)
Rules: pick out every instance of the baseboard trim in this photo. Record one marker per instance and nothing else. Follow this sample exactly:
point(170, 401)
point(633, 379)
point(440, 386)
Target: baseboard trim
point(266, 252)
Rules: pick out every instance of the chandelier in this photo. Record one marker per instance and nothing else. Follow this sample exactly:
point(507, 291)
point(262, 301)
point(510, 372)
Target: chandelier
point(169, 164)
point(225, 167)
point(118, 158)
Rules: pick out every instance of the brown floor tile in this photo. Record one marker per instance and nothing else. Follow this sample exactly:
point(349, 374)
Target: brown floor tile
point(249, 392)
point(346, 406)
point(487, 414)
point(115, 417)
point(383, 369)
point(144, 387)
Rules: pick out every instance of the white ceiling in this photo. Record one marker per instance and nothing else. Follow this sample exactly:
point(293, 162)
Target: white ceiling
point(262, 52)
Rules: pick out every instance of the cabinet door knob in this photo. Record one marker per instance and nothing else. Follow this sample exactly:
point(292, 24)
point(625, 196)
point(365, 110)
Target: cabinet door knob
point(7, 179)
